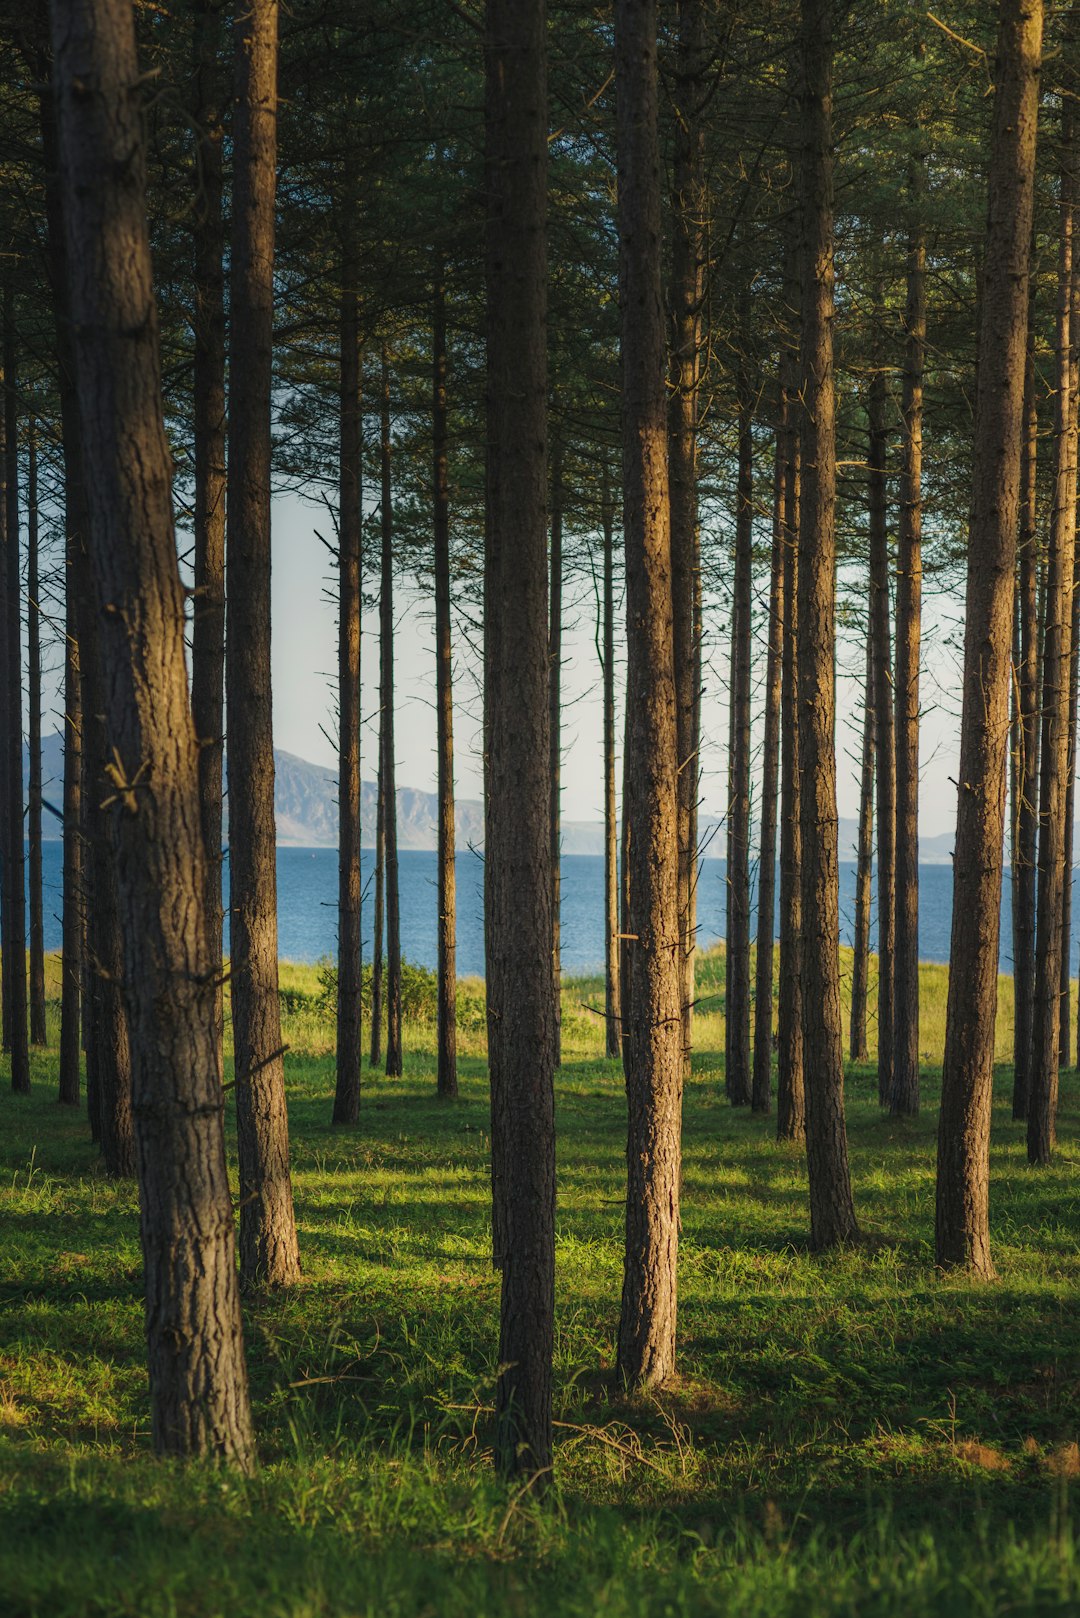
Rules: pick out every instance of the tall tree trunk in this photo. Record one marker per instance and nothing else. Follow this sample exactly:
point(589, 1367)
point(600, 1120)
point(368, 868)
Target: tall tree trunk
point(33, 636)
point(380, 888)
point(884, 731)
point(555, 724)
point(1026, 743)
point(688, 253)
point(444, 702)
point(14, 965)
point(790, 1084)
point(386, 732)
point(269, 1253)
point(350, 891)
point(612, 999)
point(208, 410)
point(654, 1047)
point(737, 1015)
point(770, 782)
point(860, 965)
point(74, 915)
point(517, 871)
point(905, 1077)
point(832, 1214)
point(198, 1379)
point(1056, 670)
point(963, 1171)
point(1065, 997)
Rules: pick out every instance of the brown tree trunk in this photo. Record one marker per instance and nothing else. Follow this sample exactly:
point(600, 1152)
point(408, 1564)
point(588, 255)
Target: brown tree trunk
point(517, 871)
point(1065, 998)
point(386, 731)
point(905, 1077)
point(208, 411)
point(269, 1253)
point(33, 822)
point(790, 1085)
point(14, 964)
point(1053, 875)
point(832, 1214)
point(963, 1172)
point(198, 1380)
point(860, 965)
point(447, 1075)
point(74, 916)
point(555, 727)
point(689, 213)
point(737, 1015)
point(612, 999)
point(444, 704)
point(884, 732)
point(350, 892)
point(379, 919)
point(770, 782)
point(654, 1045)
point(1026, 744)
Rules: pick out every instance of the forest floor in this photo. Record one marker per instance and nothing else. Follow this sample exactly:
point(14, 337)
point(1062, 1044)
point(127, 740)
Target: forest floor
point(850, 1434)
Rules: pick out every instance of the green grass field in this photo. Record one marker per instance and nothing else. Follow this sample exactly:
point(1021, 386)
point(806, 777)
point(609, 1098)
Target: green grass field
point(849, 1435)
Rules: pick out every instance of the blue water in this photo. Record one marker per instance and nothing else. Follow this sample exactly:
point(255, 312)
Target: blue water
point(307, 907)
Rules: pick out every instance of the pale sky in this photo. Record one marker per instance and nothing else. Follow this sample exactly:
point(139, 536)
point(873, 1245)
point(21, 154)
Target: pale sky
point(305, 659)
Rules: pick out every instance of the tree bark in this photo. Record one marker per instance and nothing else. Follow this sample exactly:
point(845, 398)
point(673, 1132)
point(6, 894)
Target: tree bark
point(860, 965)
point(689, 215)
point(350, 891)
point(832, 1214)
point(198, 1380)
point(885, 736)
point(963, 1172)
point(380, 889)
point(555, 727)
point(770, 782)
point(1026, 744)
point(447, 1080)
point(208, 410)
point(905, 1076)
point(654, 1045)
point(386, 731)
point(269, 1253)
point(737, 1017)
point(1053, 876)
point(612, 998)
point(14, 965)
point(517, 871)
point(33, 636)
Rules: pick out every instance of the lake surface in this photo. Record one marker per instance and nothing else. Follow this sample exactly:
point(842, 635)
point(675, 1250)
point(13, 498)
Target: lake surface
point(307, 907)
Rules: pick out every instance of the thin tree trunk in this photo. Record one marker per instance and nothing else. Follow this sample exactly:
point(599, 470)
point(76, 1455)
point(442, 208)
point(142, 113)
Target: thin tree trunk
point(689, 214)
point(208, 409)
point(770, 783)
point(905, 1077)
point(198, 1380)
point(790, 1084)
point(350, 891)
point(1026, 744)
point(33, 635)
point(1064, 1003)
point(269, 1253)
point(380, 888)
point(612, 1000)
point(15, 951)
point(884, 737)
point(738, 1067)
point(1053, 876)
point(654, 1046)
point(832, 1214)
point(521, 1012)
point(963, 1170)
point(860, 965)
point(555, 726)
point(444, 703)
point(386, 654)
